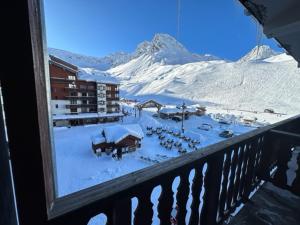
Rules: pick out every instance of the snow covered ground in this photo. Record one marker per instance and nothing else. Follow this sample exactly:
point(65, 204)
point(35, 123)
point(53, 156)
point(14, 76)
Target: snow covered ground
point(79, 168)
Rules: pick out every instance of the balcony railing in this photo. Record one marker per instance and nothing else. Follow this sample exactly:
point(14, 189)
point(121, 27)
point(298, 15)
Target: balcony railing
point(68, 106)
point(112, 99)
point(224, 174)
point(113, 105)
point(90, 96)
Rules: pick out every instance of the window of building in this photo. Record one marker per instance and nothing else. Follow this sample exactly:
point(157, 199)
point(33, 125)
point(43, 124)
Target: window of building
point(56, 106)
point(101, 95)
point(72, 85)
point(73, 110)
point(84, 94)
point(71, 77)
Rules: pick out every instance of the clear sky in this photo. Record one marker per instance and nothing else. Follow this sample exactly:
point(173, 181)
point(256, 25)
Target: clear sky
point(101, 27)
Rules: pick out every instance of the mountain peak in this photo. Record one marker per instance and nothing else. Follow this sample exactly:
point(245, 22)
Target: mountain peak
point(259, 53)
point(160, 43)
point(165, 49)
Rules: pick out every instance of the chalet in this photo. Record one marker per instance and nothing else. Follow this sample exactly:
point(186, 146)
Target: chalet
point(149, 104)
point(200, 110)
point(168, 113)
point(126, 137)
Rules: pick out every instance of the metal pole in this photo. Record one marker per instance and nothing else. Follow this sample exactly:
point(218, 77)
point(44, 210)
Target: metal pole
point(182, 120)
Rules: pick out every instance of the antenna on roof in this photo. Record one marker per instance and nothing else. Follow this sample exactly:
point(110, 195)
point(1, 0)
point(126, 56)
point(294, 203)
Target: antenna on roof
point(178, 18)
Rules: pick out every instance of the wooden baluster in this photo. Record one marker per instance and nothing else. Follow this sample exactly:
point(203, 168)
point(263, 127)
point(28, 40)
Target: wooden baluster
point(196, 190)
point(144, 212)
point(238, 175)
point(249, 172)
point(268, 156)
point(243, 172)
point(165, 202)
point(258, 142)
point(232, 178)
point(109, 217)
point(212, 183)
point(296, 183)
point(223, 195)
point(121, 214)
point(284, 156)
point(182, 197)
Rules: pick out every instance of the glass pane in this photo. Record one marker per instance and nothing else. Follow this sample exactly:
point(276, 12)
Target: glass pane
point(135, 83)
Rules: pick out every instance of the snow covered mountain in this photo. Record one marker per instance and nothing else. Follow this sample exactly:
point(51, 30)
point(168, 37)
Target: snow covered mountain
point(259, 53)
point(167, 50)
point(164, 69)
point(163, 48)
point(100, 63)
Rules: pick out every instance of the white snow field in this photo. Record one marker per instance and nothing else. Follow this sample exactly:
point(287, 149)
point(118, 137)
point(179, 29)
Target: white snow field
point(78, 167)
point(164, 70)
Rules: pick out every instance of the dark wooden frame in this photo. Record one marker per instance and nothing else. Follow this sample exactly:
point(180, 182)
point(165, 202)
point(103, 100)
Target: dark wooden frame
point(8, 213)
point(33, 165)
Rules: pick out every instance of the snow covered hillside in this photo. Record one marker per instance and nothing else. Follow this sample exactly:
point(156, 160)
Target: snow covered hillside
point(100, 63)
point(164, 68)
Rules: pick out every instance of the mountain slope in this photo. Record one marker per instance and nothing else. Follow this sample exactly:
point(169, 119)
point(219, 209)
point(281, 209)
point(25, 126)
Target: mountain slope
point(259, 53)
point(164, 68)
point(99, 63)
point(253, 85)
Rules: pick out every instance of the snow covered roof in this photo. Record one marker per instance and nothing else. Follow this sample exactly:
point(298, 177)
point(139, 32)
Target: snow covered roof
point(91, 74)
point(98, 139)
point(62, 63)
point(170, 110)
point(86, 116)
point(176, 110)
point(191, 110)
point(149, 101)
point(116, 133)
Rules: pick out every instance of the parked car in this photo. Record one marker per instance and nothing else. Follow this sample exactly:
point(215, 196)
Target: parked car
point(176, 118)
point(149, 132)
point(224, 121)
point(155, 115)
point(205, 126)
point(226, 134)
point(269, 111)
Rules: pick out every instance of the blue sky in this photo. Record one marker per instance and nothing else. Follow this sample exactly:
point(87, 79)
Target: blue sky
point(101, 27)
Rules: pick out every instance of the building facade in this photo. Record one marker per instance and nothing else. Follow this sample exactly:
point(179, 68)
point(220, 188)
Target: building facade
point(81, 101)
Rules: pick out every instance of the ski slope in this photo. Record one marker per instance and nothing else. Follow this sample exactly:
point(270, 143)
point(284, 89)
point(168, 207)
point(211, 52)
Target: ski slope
point(165, 70)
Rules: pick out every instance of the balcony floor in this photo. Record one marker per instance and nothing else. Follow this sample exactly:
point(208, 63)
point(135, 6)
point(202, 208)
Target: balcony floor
point(270, 206)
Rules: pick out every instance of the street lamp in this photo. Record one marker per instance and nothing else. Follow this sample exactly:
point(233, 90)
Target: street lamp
point(182, 107)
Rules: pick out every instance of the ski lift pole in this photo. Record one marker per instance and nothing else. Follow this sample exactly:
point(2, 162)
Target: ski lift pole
point(182, 128)
point(183, 107)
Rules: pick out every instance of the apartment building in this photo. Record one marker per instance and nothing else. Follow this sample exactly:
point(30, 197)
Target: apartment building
point(77, 101)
